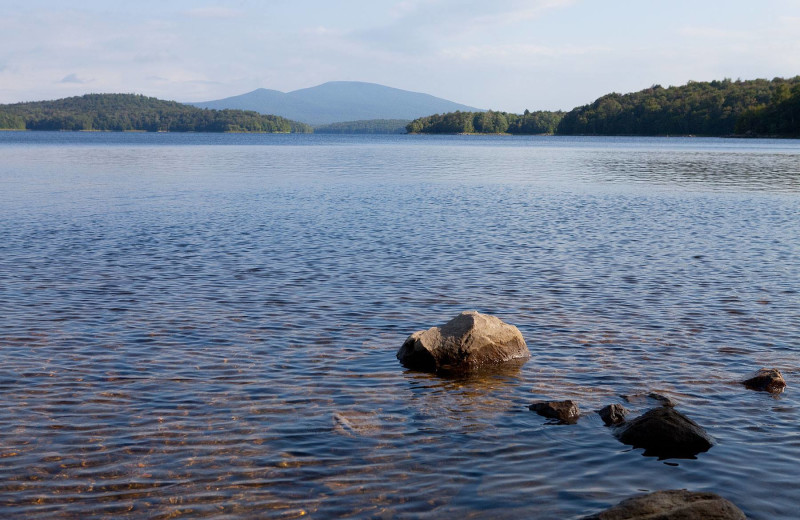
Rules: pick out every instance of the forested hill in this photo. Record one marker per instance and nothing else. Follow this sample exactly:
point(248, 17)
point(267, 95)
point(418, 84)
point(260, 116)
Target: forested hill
point(716, 108)
point(121, 112)
point(490, 122)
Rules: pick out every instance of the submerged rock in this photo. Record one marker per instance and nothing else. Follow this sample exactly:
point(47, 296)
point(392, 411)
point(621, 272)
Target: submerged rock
point(766, 380)
point(613, 414)
point(566, 412)
point(672, 505)
point(468, 342)
point(661, 399)
point(665, 433)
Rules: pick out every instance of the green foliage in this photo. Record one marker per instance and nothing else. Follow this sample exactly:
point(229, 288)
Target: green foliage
point(11, 122)
point(780, 117)
point(698, 108)
point(369, 126)
point(121, 112)
point(489, 122)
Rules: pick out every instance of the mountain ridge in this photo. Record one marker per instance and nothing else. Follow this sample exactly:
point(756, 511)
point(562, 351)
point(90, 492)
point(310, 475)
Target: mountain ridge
point(339, 101)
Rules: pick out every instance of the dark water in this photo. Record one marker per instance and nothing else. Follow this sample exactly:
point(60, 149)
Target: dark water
point(197, 325)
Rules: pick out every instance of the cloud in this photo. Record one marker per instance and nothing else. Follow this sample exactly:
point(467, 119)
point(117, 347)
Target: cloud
point(73, 78)
point(213, 12)
point(516, 52)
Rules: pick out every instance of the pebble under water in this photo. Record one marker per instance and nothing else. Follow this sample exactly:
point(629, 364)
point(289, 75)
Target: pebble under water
point(206, 325)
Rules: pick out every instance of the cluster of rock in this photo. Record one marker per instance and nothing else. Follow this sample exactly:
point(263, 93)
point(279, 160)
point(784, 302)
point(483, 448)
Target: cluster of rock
point(472, 341)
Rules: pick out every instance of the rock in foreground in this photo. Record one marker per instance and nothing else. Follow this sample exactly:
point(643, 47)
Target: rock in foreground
point(766, 380)
point(468, 342)
point(665, 433)
point(566, 412)
point(672, 505)
point(613, 414)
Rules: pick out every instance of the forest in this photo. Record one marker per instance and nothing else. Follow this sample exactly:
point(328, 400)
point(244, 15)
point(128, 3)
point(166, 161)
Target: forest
point(489, 122)
point(717, 108)
point(133, 112)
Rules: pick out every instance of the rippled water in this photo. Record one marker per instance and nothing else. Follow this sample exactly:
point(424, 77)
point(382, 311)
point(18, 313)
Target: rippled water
point(196, 325)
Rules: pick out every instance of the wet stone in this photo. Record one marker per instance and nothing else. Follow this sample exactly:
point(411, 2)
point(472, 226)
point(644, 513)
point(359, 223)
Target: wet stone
point(677, 504)
point(613, 414)
point(470, 341)
point(766, 380)
point(665, 433)
point(566, 412)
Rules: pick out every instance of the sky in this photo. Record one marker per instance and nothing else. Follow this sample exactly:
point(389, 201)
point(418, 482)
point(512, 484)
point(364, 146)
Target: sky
point(507, 55)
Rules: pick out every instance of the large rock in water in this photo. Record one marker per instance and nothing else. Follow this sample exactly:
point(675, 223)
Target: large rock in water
point(468, 342)
point(665, 433)
point(766, 380)
point(672, 505)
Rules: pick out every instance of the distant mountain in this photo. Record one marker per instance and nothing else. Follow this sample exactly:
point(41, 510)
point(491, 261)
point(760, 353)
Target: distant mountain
point(339, 101)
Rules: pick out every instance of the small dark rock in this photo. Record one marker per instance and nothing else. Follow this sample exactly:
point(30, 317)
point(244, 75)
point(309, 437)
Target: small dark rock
point(676, 504)
point(613, 414)
point(665, 433)
point(766, 380)
point(566, 412)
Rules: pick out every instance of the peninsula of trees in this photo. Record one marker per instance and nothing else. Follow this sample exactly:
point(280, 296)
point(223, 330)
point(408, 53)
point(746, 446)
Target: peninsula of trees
point(489, 122)
point(130, 112)
point(716, 108)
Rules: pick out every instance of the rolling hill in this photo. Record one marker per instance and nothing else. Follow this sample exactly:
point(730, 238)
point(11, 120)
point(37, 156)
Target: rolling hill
point(126, 112)
point(339, 101)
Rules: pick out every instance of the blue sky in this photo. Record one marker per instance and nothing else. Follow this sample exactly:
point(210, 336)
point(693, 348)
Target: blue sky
point(500, 54)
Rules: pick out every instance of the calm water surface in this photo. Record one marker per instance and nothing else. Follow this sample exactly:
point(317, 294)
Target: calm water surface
point(206, 325)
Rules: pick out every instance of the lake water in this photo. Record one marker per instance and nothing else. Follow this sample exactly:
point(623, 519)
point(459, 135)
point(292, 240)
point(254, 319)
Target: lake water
point(206, 325)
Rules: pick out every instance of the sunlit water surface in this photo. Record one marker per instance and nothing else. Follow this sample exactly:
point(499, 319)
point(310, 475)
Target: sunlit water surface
point(197, 325)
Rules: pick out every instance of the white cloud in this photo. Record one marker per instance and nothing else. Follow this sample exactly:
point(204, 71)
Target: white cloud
point(73, 78)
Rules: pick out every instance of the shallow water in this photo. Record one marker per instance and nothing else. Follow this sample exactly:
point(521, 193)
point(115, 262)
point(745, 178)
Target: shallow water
point(196, 325)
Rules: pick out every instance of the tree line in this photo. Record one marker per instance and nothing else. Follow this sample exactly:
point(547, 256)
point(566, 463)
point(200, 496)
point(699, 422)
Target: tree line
point(715, 108)
point(368, 126)
point(490, 122)
point(129, 112)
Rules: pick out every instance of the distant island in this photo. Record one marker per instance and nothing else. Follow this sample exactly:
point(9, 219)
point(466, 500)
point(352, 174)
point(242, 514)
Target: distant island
point(490, 122)
point(133, 112)
point(718, 108)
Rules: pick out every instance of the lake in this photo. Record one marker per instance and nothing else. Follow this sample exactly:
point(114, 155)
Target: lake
point(206, 325)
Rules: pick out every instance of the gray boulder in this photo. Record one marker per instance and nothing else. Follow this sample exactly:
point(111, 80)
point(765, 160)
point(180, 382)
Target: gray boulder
point(766, 380)
point(666, 433)
point(566, 412)
point(672, 505)
point(613, 414)
point(468, 342)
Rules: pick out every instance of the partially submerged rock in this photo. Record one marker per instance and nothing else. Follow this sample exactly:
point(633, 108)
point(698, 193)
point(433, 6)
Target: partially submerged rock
point(665, 433)
point(672, 505)
point(566, 412)
point(469, 341)
point(661, 399)
point(766, 380)
point(613, 414)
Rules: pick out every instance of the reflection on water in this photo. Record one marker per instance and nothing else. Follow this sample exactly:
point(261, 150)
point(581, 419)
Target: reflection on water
point(207, 325)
